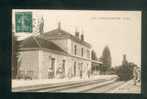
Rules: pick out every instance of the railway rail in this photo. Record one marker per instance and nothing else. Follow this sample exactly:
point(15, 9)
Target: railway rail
point(77, 86)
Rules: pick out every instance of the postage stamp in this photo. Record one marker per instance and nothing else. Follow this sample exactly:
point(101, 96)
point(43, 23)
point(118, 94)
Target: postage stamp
point(23, 21)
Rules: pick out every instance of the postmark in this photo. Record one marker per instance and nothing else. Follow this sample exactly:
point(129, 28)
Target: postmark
point(23, 21)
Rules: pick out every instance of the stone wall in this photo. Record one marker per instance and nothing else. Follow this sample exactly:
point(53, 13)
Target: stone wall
point(39, 62)
point(28, 64)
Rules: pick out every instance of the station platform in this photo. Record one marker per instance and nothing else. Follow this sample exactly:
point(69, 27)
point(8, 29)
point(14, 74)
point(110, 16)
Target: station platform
point(25, 83)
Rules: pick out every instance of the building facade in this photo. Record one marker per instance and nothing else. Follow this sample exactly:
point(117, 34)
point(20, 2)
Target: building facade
point(54, 54)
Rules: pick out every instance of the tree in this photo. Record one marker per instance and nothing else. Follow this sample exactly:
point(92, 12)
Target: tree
point(93, 55)
point(106, 59)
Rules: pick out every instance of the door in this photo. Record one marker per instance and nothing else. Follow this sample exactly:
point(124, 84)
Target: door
point(74, 68)
point(51, 70)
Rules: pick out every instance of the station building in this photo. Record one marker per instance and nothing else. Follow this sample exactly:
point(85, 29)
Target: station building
point(54, 54)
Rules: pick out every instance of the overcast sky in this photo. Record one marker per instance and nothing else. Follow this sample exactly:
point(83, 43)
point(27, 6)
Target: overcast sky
point(120, 30)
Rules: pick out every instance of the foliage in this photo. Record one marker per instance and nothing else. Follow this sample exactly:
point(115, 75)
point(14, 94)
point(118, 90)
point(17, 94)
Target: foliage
point(93, 55)
point(106, 59)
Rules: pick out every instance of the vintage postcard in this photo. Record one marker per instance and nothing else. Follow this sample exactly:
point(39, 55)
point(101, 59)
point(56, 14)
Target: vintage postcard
point(76, 51)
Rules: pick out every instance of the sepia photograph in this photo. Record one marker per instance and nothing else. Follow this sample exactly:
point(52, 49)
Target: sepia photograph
point(76, 51)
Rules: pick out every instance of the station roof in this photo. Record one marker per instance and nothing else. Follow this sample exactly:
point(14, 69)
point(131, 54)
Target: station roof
point(61, 34)
point(37, 42)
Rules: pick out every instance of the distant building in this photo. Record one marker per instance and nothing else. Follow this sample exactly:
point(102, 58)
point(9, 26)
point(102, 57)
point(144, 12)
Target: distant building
point(54, 54)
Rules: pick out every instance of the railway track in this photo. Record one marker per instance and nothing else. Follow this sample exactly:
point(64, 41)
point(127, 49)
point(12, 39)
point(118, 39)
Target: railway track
point(71, 86)
point(82, 87)
point(39, 87)
point(89, 87)
point(105, 88)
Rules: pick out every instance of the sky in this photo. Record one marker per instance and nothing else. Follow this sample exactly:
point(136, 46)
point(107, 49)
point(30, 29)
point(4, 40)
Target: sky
point(119, 30)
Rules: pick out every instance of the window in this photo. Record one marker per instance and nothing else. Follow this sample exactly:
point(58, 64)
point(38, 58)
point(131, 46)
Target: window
point(82, 51)
point(75, 49)
point(81, 70)
point(51, 69)
point(74, 68)
point(88, 53)
point(63, 65)
point(52, 63)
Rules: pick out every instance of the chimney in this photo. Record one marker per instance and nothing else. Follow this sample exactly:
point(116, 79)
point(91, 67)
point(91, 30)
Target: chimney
point(59, 25)
point(82, 37)
point(77, 34)
point(124, 56)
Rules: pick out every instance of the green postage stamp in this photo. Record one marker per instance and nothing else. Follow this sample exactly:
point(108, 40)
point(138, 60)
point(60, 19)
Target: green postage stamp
point(23, 21)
